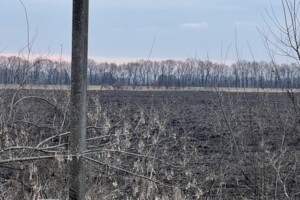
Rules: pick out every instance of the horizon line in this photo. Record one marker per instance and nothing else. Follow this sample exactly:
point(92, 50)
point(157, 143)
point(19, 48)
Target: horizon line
point(109, 59)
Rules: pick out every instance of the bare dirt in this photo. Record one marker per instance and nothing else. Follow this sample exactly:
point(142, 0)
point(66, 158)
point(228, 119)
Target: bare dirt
point(191, 144)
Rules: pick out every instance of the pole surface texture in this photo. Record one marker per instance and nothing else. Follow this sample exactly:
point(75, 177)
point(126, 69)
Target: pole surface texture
point(78, 103)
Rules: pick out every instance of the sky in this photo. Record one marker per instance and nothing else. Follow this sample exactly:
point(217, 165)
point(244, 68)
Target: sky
point(121, 30)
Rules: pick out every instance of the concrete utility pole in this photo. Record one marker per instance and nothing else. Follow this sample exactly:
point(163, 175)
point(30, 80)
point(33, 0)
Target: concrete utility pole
point(78, 102)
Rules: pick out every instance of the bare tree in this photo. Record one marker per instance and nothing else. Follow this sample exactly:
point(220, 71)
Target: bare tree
point(284, 32)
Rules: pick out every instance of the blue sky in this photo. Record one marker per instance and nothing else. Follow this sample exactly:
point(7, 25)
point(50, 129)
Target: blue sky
point(126, 28)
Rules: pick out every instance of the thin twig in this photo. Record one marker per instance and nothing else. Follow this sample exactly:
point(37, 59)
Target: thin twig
point(126, 171)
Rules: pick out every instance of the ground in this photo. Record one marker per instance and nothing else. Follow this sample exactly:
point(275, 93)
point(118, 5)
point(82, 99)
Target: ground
point(162, 144)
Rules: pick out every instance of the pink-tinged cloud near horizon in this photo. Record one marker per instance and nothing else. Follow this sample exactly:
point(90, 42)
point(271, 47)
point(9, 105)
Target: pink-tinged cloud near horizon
point(38, 56)
point(100, 59)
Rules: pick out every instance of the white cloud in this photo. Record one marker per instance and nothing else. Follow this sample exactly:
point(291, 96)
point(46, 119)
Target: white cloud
point(194, 25)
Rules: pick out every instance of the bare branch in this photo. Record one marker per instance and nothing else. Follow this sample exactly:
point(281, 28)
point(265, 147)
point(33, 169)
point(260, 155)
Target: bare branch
point(126, 171)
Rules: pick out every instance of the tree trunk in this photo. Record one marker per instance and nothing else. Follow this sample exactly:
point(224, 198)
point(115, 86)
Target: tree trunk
point(78, 102)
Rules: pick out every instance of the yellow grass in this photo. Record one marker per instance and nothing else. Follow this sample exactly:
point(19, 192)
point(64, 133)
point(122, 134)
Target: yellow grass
point(144, 88)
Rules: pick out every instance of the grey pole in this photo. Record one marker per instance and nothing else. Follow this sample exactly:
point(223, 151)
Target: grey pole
point(78, 104)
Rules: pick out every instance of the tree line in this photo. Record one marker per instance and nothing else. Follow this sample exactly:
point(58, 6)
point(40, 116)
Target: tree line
point(167, 73)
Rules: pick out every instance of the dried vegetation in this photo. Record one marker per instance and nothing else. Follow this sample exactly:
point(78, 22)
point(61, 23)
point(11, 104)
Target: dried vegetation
point(153, 145)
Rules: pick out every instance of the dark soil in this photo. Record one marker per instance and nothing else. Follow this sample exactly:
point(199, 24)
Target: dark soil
point(207, 145)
